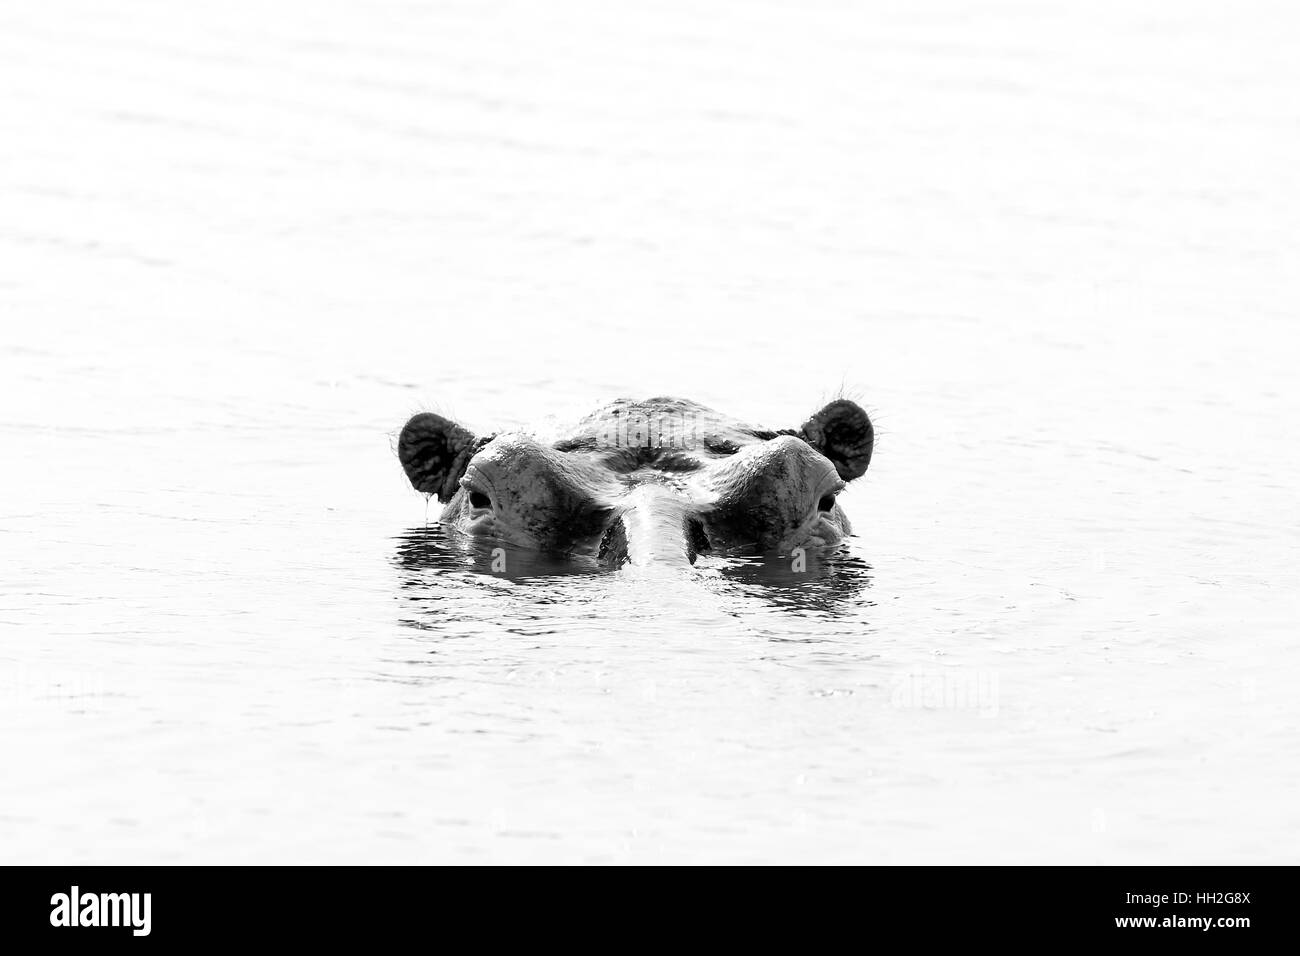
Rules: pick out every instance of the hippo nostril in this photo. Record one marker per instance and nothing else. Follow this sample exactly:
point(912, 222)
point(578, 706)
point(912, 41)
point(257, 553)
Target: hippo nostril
point(613, 544)
point(697, 542)
point(479, 500)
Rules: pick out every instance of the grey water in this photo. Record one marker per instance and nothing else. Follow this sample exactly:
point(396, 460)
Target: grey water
point(1050, 247)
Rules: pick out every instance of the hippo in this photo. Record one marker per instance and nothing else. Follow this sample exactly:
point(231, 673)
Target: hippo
point(660, 480)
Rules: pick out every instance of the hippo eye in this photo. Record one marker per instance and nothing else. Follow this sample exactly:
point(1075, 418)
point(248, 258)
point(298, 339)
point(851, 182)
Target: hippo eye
point(479, 500)
point(826, 503)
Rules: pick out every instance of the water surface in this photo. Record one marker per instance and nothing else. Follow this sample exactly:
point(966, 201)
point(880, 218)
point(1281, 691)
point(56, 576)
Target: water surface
point(1051, 250)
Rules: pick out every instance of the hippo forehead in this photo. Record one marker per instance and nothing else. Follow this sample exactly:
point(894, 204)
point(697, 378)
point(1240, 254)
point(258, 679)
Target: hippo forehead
point(665, 435)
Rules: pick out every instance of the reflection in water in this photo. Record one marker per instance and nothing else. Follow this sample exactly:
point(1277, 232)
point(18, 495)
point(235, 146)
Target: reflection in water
point(432, 549)
point(438, 564)
point(831, 584)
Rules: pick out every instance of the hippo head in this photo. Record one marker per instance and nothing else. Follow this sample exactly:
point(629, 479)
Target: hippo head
point(636, 480)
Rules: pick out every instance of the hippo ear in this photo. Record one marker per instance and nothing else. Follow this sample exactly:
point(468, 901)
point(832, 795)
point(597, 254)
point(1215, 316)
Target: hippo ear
point(434, 452)
point(842, 432)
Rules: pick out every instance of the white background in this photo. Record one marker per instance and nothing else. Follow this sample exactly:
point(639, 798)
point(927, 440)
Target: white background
point(1051, 247)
